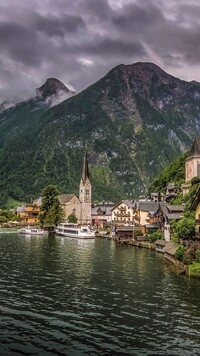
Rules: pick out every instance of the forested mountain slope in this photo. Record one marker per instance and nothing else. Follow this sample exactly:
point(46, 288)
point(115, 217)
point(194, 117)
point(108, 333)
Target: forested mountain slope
point(135, 120)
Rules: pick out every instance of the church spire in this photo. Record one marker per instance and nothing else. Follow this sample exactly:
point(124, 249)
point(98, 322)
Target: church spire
point(85, 171)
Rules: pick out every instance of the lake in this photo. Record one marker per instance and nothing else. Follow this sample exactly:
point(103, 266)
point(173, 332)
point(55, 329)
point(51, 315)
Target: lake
point(61, 296)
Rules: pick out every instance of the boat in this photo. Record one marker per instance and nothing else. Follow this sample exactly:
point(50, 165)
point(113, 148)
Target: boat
point(73, 230)
point(32, 231)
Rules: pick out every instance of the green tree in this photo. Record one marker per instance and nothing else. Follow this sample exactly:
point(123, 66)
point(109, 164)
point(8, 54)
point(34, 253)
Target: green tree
point(51, 209)
point(185, 228)
point(72, 218)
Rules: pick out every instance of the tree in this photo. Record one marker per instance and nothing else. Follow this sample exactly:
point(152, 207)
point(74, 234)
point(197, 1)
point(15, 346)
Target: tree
point(51, 210)
point(72, 218)
point(185, 228)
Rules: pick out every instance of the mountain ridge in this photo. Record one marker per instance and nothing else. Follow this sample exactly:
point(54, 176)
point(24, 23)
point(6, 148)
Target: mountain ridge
point(136, 119)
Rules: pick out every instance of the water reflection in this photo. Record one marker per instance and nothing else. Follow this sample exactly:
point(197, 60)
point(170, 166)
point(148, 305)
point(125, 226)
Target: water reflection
point(90, 297)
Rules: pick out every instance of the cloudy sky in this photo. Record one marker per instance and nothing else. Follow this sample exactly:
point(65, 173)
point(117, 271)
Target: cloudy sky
point(78, 41)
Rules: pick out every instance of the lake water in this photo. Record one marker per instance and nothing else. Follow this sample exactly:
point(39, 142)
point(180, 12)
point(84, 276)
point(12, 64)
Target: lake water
point(62, 296)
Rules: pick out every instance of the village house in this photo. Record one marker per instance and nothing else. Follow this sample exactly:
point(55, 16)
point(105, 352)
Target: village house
point(29, 214)
point(171, 192)
point(166, 214)
point(145, 214)
point(122, 213)
point(156, 197)
point(102, 213)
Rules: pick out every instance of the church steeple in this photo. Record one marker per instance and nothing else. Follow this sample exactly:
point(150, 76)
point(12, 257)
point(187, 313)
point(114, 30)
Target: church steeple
point(85, 171)
point(85, 192)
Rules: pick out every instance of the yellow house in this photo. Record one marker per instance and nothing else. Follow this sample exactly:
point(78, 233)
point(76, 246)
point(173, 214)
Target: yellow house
point(28, 213)
point(195, 206)
point(145, 213)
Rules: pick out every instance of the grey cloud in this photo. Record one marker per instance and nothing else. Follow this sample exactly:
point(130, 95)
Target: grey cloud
point(112, 47)
point(99, 9)
point(54, 38)
point(59, 26)
point(137, 17)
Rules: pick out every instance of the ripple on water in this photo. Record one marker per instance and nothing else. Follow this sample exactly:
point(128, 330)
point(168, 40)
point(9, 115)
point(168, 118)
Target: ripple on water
point(70, 297)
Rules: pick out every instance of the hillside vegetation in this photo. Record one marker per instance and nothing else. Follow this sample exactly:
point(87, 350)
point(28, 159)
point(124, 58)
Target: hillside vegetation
point(136, 120)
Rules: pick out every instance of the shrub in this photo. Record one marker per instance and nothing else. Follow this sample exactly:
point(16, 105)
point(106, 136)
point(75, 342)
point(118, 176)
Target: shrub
point(185, 228)
point(194, 269)
point(197, 254)
point(179, 254)
point(157, 235)
point(138, 232)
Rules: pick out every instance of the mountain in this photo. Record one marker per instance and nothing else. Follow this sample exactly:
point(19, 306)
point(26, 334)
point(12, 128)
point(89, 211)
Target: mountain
point(53, 91)
point(136, 119)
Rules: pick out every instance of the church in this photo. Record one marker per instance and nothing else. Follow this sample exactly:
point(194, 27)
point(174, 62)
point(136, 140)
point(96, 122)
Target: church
point(79, 206)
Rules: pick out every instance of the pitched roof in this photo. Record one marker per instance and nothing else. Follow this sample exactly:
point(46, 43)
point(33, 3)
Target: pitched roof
point(175, 208)
point(65, 198)
point(171, 185)
point(129, 203)
point(195, 149)
point(170, 248)
point(174, 216)
point(147, 206)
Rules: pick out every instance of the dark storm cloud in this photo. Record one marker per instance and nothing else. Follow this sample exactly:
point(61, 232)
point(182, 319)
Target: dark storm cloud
point(135, 17)
point(79, 41)
point(59, 26)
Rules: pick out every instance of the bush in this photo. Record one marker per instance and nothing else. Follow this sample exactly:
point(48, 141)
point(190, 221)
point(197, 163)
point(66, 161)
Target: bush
point(189, 255)
point(197, 254)
point(138, 232)
point(185, 228)
point(179, 254)
point(194, 270)
point(157, 235)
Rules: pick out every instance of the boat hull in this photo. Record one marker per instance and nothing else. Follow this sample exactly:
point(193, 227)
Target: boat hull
point(75, 236)
point(36, 232)
point(75, 232)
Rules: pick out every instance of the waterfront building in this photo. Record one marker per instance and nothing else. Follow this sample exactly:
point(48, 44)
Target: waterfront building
point(192, 165)
point(166, 214)
point(29, 213)
point(122, 212)
point(145, 213)
point(102, 213)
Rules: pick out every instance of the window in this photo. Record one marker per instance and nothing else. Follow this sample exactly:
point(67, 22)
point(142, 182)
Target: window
point(87, 194)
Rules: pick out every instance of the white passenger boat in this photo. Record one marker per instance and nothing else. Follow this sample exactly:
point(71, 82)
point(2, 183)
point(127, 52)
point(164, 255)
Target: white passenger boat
point(73, 230)
point(32, 231)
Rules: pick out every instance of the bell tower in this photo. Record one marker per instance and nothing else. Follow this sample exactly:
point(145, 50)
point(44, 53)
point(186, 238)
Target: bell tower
point(85, 193)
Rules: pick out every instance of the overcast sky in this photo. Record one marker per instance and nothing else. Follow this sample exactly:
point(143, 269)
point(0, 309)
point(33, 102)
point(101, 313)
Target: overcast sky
point(78, 41)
